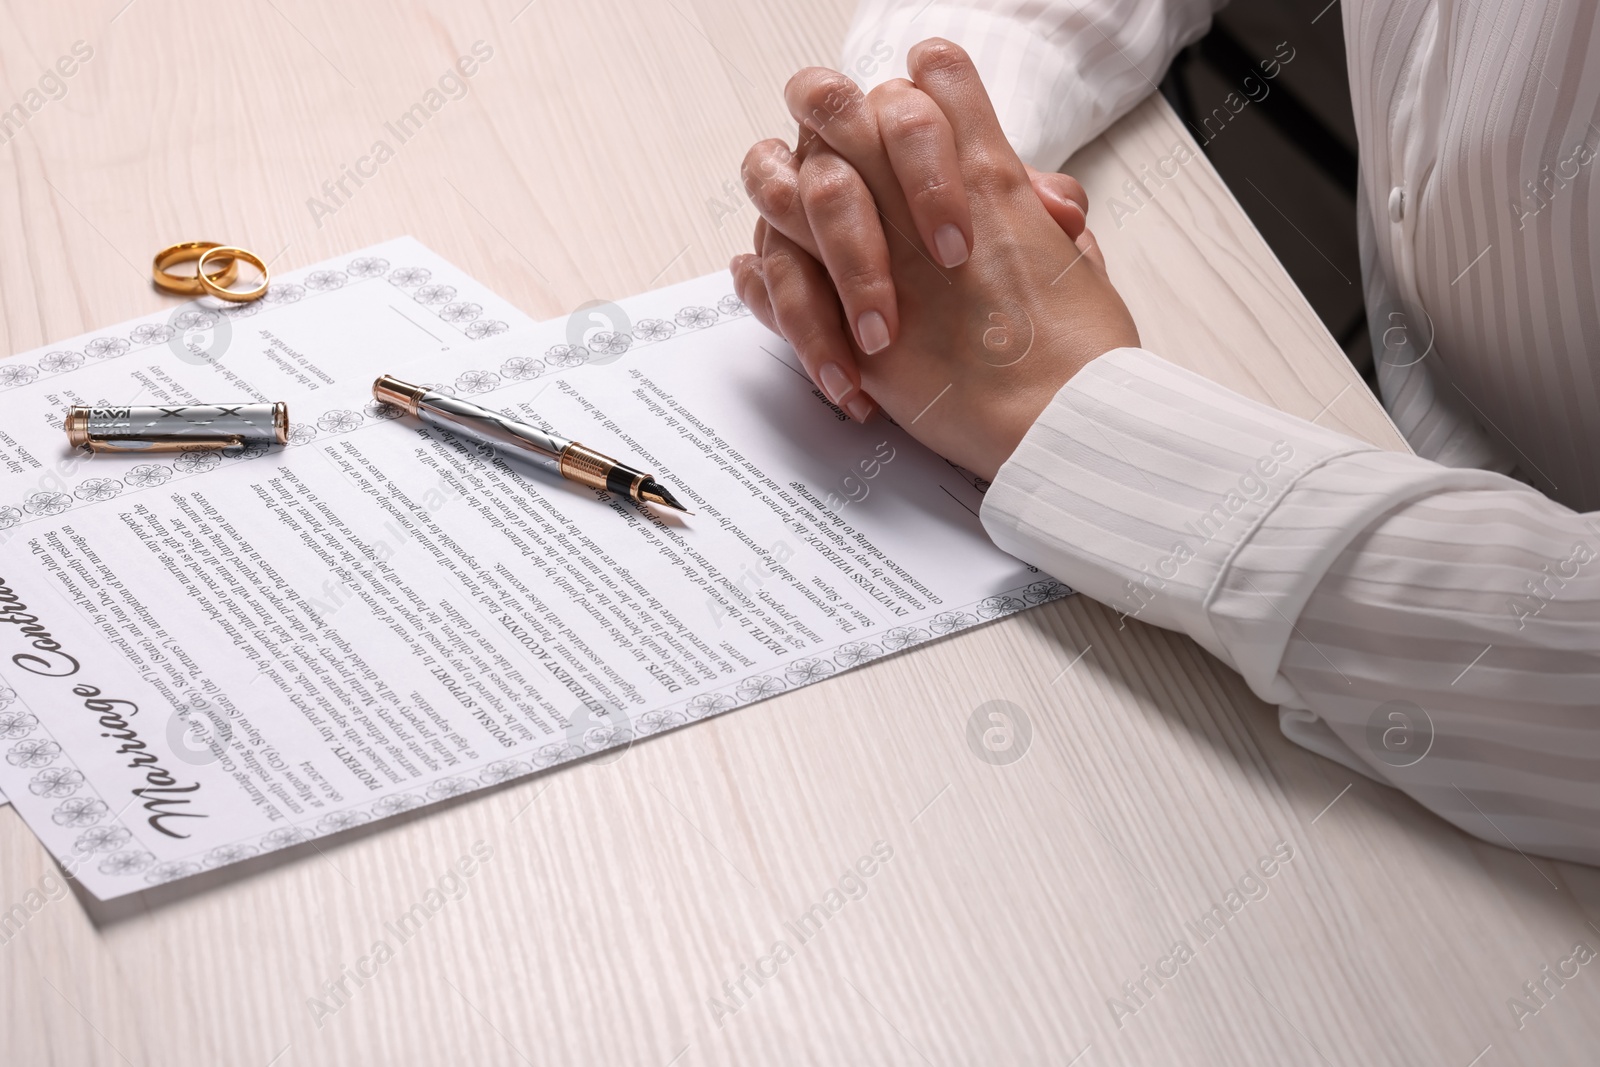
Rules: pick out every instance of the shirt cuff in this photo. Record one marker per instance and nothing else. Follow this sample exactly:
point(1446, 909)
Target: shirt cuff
point(1139, 486)
point(1046, 108)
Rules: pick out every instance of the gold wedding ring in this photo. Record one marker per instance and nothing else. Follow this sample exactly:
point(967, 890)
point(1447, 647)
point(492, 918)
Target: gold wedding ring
point(190, 284)
point(233, 255)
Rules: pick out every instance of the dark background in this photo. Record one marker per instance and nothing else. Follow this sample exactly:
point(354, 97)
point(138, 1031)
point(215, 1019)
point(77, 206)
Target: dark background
point(1297, 145)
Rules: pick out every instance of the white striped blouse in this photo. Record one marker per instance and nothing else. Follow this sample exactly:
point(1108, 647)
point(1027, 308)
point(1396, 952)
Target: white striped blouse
point(1432, 621)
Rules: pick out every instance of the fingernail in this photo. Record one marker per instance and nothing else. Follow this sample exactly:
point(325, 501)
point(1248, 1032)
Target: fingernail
point(859, 407)
point(874, 332)
point(951, 246)
point(834, 381)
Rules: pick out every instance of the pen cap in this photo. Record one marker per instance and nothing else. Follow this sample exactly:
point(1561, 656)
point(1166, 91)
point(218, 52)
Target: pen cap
point(176, 428)
point(394, 392)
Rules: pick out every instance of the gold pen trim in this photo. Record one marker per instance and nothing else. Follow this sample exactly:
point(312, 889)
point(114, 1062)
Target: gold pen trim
point(78, 427)
point(395, 393)
point(573, 461)
point(585, 465)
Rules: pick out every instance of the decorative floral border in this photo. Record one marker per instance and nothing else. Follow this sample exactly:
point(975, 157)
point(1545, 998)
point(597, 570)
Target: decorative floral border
point(462, 316)
point(57, 778)
point(106, 844)
point(44, 504)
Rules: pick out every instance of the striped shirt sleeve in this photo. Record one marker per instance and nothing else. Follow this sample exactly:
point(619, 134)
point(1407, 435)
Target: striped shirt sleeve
point(1059, 71)
point(1434, 628)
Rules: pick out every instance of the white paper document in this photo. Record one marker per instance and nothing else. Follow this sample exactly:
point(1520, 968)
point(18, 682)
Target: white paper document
point(204, 658)
point(337, 322)
point(315, 327)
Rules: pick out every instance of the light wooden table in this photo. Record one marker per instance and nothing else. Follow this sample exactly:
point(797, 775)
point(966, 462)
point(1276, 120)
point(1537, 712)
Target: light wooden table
point(597, 155)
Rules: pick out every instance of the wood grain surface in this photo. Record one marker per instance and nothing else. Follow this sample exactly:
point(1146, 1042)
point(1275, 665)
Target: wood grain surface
point(596, 154)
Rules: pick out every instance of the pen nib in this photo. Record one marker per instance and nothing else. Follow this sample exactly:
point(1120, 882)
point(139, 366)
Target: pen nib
point(656, 493)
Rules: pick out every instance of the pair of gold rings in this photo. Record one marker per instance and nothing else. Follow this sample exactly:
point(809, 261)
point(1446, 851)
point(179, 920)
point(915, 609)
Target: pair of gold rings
point(216, 268)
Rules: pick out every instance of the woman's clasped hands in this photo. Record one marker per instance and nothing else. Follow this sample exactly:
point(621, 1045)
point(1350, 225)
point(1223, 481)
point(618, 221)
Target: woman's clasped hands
point(916, 264)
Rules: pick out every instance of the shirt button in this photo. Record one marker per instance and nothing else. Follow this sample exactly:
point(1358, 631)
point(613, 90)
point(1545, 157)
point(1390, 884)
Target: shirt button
point(1397, 203)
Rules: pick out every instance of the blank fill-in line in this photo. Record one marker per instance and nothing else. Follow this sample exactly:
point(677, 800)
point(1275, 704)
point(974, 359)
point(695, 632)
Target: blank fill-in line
point(952, 496)
point(803, 375)
point(414, 322)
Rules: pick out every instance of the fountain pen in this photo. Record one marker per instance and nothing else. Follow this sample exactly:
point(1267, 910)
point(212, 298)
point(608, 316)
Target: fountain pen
point(567, 458)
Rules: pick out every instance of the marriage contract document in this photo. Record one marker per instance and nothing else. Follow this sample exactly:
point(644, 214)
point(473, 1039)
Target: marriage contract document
point(204, 658)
